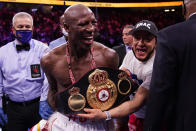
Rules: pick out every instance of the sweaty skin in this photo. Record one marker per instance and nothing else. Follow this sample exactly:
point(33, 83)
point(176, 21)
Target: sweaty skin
point(80, 23)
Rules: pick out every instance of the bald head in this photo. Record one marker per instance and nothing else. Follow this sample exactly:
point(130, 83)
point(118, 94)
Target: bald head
point(75, 12)
point(80, 23)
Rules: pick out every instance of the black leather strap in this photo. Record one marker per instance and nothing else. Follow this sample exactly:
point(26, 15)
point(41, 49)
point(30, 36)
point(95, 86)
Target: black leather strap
point(83, 84)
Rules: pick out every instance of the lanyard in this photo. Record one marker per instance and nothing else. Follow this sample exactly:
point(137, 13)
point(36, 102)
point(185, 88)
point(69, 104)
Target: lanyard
point(93, 64)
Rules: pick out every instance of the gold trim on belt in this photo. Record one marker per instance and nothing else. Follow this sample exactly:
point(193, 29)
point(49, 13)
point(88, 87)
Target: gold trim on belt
point(102, 92)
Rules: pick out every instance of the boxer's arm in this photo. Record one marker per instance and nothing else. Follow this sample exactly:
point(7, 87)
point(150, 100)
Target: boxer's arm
point(45, 64)
point(52, 91)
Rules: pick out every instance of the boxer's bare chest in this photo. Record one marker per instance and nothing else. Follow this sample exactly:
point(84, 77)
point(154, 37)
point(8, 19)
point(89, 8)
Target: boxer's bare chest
point(62, 70)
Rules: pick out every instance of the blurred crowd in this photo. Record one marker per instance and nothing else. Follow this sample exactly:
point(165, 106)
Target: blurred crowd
point(110, 21)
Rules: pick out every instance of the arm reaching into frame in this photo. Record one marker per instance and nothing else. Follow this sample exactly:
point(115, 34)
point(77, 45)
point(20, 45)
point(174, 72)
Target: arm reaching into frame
point(124, 109)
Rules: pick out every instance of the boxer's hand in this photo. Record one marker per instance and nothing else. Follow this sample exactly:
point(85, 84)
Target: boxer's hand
point(95, 114)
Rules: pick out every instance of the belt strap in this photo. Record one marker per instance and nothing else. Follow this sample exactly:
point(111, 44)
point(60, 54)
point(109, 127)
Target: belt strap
point(25, 103)
point(102, 88)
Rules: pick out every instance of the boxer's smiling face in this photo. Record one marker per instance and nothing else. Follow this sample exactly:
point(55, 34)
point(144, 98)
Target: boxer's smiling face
point(82, 28)
point(86, 28)
point(143, 45)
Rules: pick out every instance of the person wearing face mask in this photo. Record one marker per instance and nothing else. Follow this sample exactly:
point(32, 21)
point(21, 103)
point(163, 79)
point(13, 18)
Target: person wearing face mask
point(138, 64)
point(61, 40)
point(22, 79)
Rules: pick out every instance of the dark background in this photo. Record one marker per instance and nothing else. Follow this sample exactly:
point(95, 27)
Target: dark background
point(110, 20)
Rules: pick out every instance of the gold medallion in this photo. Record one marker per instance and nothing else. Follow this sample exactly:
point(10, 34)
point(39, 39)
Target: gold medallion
point(102, 92)
point(124, 85)
point(76, 100)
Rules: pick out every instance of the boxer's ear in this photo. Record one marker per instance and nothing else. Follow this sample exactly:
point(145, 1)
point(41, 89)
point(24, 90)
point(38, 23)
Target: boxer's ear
point(66, 27)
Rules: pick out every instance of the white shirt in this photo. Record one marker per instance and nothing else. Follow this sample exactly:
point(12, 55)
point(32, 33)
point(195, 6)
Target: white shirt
point(141, 72)
point(17, 77)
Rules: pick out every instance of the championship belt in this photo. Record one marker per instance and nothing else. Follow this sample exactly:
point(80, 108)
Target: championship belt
point(101, 88)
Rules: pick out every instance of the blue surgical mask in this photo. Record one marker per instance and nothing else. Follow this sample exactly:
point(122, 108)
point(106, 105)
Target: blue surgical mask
point(24, 36)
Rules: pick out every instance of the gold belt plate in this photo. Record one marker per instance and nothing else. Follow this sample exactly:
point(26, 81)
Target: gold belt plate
point(76, 101)
point(102, 92)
